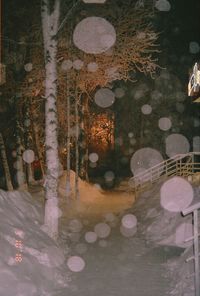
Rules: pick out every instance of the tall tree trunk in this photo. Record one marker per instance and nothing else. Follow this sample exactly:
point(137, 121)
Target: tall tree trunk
point(30, 176)
point(68, 185)
point(82, 139)
point(84, 130)
point(76, 146)
point(5, 164)
point(50, 27)
point(36, 137)
point(38, 147)
point(87, 125)
point(20, 176)
point(28, 141)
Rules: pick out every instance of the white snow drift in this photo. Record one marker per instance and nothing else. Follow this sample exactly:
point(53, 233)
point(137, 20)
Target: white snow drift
point(30, 261)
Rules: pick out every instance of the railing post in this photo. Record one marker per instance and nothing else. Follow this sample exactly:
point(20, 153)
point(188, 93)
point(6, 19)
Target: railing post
point(194, 209)
point(196, 252)
point(193, 163)
point(176, 166)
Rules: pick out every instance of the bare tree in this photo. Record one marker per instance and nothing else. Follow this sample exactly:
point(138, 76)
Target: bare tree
point(134, 51)
point(50, 19)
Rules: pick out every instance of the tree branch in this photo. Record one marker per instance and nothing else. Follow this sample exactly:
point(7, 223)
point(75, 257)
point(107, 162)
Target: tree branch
point(55, 16)
point(67, 15)
point(45, 22)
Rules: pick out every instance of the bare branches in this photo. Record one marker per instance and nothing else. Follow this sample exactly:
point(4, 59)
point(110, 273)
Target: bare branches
point(67, 15)
point(134, 51)
point(45, 20)
point(55, 16)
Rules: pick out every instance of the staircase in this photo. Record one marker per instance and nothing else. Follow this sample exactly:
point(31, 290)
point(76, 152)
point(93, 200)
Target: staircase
point(183, 165)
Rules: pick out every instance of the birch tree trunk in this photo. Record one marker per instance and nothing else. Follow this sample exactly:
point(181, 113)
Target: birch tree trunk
point(5, 164)
point(50, 26)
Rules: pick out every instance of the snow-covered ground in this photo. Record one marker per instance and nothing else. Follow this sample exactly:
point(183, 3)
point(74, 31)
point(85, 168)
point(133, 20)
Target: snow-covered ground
point(169, 230)
point(30, 262)
point(108, 245)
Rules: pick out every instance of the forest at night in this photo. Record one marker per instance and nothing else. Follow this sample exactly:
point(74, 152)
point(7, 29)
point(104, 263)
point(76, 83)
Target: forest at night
point(99, 147)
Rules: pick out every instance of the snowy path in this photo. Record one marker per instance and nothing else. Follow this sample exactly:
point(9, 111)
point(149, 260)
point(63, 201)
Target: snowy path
point(126, 266)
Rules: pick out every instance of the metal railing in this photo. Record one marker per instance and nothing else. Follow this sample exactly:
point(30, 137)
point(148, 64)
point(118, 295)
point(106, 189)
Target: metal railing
point(180, 165)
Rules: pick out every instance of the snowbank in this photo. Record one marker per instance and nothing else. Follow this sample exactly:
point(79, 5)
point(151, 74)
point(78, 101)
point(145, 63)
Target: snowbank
point(182, 273)
point(159, 225)
point(88, 192)
point(162, 227)
point(30, 261)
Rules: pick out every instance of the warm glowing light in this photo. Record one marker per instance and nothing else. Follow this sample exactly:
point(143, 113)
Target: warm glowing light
point(102, 132)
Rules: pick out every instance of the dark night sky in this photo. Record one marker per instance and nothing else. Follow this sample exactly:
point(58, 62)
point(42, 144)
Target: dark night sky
point(178, 28)
point(184, 16)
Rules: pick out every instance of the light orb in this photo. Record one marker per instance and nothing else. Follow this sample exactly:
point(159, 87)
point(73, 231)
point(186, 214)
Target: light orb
point(104, 97)
point(94, 35)
point(76, 263)
point(28, 156)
